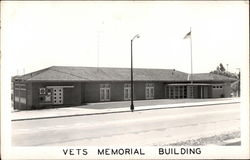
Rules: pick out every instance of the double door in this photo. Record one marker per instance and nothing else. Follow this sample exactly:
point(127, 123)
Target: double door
point(105, 94)
point(149, 92)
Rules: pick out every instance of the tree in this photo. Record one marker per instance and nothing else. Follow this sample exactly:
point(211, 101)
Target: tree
point(222, 68)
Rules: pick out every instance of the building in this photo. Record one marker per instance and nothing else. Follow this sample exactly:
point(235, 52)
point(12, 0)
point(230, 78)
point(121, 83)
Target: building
point(69, 86)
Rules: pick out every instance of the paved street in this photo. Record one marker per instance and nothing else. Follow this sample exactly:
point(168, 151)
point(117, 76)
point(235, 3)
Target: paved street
point(149, 127)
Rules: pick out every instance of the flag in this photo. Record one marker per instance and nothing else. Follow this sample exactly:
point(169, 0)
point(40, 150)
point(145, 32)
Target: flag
point(187, 35)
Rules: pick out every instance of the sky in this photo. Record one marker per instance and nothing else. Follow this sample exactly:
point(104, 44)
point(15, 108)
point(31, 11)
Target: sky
point(37, 35)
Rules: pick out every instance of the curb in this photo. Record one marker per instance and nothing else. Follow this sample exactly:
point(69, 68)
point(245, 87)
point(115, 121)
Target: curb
point(232, 142)
point(122, 111)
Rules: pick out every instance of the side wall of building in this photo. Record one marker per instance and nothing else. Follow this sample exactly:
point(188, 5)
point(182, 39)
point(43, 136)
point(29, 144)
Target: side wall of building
point(227, 90)
point(20, 91)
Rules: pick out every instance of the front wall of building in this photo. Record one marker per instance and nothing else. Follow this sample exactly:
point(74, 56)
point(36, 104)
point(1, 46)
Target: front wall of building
point(117, 91)
point(77, 93)
point(139, 90)
point(71, 96)
point(159, 90)
point(187, 91)
point(195, 91)
point(221, 90)
point(83, 93)
point(203, 92)
point(92, 91)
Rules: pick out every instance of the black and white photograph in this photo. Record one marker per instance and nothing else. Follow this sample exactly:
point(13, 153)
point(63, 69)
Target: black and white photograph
point(124, 79)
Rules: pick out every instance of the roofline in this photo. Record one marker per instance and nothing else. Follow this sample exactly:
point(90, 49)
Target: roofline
point(41, 70)
point(168, 81)
point(119, 68)
point(29, 76)
point(105, 80)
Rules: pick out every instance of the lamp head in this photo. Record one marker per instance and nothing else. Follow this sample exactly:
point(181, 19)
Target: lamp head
point(136, 36)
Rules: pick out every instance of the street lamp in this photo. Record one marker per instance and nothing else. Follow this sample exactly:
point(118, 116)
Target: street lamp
point(132, 86)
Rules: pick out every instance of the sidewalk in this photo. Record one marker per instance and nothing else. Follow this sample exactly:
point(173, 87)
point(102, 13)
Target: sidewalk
point(115, 107)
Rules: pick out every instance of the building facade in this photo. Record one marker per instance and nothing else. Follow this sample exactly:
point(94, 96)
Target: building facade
point(71, 86)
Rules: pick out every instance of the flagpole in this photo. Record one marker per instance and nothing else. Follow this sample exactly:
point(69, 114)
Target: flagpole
point(191, 56)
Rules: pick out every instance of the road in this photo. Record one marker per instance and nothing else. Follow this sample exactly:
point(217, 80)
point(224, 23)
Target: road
point(151, 127)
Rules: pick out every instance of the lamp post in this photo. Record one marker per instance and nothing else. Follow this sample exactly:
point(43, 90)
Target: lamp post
point(132, 86)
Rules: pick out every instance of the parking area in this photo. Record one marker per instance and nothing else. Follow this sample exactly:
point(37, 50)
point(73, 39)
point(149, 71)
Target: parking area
point(124, 104)
point(115, 107)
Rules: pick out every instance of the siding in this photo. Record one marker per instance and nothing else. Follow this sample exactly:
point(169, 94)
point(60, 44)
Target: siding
point(92, 92)
point(117, 91)
point(159, 90)
point(139, 91)
point(217, 92)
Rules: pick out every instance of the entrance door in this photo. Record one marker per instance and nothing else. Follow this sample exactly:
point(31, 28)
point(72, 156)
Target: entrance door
point(190, 92)
point(58, 95)
point(127, 93)
point(104, 94)
point(149, 92)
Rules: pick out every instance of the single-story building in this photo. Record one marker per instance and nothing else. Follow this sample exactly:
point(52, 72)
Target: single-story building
point(69, 86)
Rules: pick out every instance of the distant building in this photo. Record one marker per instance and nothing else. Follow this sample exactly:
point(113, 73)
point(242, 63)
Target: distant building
point(69, 86)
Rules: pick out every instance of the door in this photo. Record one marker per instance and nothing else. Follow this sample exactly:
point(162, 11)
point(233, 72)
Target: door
point(107, 94)
point(58, 95)
point(104, 94)
point(149, 92)
point(190, 92)
point(127, 93)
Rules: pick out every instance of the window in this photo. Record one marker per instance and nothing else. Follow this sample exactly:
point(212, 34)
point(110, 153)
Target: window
point(42, 91)
point(217, 86)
